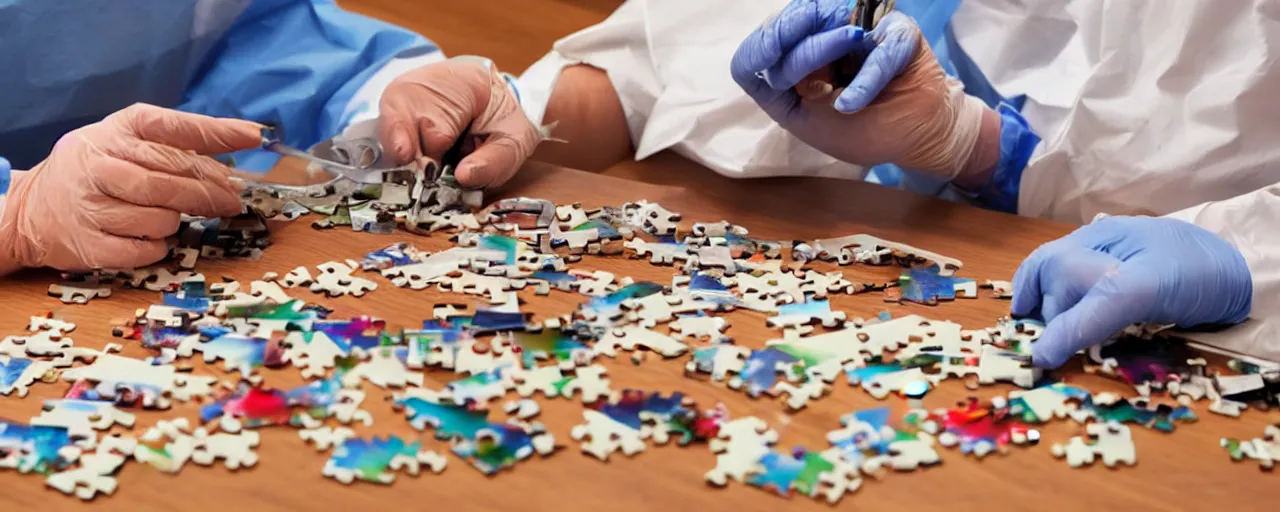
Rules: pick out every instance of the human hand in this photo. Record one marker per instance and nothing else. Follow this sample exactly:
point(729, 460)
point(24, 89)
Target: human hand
point(423, 113)
point(111, 192)
point(1119, 271)
point(900, 107)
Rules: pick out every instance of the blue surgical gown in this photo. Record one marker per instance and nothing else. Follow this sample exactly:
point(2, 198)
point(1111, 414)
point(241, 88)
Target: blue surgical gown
point(295, 63)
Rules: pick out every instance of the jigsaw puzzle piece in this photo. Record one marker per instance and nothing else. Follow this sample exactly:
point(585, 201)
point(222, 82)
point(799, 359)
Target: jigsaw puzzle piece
point(631, 337)
point(384, 369)
point(802, 314)
point(167, 446)
point(1110, 441)
point(1265, 449)
point(718, 361)
point(236, 450)
point(501, 445)
point(739, 447)
point(651, 217)
point(335, 280)
point(375, 460)
point(18, 374)
point(590, 382)
point(96, 474)
point(325, 437)
point(601, 435)
point(82, 416)
point(708, 329)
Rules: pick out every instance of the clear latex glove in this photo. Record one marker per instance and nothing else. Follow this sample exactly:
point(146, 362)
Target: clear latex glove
point(423, 112)
point(900, 108)
point(1119, 271)
point(111, 192)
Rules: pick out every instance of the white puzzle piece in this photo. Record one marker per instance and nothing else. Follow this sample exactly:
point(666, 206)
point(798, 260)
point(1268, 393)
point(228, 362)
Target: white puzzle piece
point(96, 474)
point(335, 280)
point(167, 446)
point(300, 276)
point(602, 435)
point(1110, 441)
point(235, 450)
point(523, 409)
point(708, 329)
point(631, 337)
point(739, 446)
point(382, 369)
point(590, 382)
point(324, 438)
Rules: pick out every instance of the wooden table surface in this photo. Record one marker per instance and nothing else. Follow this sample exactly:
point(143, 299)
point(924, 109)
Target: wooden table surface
point(1186, 470)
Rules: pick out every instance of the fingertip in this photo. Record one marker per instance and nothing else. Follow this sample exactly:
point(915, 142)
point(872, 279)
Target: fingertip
point(852, 100)
point(473, 175)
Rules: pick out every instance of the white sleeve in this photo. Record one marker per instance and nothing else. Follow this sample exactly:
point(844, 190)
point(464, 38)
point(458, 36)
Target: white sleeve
point(1246, 222)
point(668, 60)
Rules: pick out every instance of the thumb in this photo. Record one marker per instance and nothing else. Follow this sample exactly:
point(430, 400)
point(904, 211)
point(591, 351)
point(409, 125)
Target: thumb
point(1119, 299)
point(186, 131)
point(494, 162)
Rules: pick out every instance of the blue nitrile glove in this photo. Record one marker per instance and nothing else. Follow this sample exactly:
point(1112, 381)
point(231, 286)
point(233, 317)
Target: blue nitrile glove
point(1119, 271)
point(900, 107)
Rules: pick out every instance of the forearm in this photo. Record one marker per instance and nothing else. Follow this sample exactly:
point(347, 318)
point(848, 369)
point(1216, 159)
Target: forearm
point(986, 155)
point(588, 126)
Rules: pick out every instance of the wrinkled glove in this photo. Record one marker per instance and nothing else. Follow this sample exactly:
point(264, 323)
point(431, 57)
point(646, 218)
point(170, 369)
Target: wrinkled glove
point(111, 192)
point(900, 108)
point(1119, 271)
point(424, 111)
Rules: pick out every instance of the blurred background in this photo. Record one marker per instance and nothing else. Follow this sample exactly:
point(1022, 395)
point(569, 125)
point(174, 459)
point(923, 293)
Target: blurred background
point(514, 33)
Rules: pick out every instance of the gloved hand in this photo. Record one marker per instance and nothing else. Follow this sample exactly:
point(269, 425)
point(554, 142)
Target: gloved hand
point(423, 112)
point(1119, 271)
point(900, 108)
point(111, 192)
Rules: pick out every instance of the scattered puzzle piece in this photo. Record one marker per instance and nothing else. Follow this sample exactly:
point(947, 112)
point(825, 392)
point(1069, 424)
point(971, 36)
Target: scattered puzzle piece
point(1110, 441)
point(602, 435)
point(375, 460)
point(335, 280)
point(631, 337)
point(325, 437)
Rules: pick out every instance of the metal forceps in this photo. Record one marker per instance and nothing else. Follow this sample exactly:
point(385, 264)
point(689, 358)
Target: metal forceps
point(866, 14)
point(361, 160)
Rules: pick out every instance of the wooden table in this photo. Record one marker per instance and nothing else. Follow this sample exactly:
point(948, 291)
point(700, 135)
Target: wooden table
point(1180, 471)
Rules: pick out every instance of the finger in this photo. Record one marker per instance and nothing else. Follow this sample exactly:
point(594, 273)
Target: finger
point(766, 45)
point(1026, 281)
point(492, 164)
point(896, 43)
point(103, 251)
point(414, 127)
point(118, 218)
point(1068, 275)
point(137, 185)
point(814, 54)
point(186, 131)
point(1118, 300)
point(160, 158)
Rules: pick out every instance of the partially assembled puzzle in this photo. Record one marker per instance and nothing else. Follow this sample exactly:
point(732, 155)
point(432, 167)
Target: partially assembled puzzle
point(504, 363)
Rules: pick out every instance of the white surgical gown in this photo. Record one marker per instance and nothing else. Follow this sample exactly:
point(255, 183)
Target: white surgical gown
point(306, 65)
point(1143, 106)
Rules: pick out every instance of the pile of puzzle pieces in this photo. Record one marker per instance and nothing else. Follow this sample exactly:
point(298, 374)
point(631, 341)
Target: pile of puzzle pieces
point(495, 350)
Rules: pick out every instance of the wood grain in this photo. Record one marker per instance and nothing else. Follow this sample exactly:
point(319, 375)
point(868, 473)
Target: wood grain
point(1185, 470)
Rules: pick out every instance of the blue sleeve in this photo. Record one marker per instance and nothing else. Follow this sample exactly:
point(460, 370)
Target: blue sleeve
point(1017, 144)
point(4, 176)
point(296, 64)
